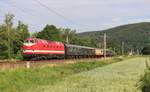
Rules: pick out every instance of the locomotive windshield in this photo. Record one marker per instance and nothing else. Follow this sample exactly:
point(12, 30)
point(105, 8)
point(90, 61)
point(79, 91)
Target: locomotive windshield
point(30, 41)
point(26, 41)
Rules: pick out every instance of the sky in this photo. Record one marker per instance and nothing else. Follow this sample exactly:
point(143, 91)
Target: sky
point(82, 15)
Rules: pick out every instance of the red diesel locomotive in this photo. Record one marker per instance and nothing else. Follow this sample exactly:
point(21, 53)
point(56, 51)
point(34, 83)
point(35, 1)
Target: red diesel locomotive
point(39, 49)
point(34, 48)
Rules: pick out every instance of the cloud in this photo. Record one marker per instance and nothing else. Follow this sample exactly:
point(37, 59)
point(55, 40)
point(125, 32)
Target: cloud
point(116, 19)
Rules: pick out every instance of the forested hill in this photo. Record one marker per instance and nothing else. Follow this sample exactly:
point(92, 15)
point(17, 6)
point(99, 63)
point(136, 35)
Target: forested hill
point(135, 36)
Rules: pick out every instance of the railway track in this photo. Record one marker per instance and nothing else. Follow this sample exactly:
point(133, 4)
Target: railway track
point(33, 64)
point(27, 64)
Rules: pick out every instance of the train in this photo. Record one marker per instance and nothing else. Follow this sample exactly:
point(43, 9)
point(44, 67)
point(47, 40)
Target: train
point(40, 49)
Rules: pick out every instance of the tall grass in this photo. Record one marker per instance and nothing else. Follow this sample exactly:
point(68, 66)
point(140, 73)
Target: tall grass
point(118, 77)
point(144, 83)
point(21, 80)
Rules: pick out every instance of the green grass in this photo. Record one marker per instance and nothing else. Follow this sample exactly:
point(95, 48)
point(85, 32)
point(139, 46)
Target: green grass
point(23, 80)
point(118, 77)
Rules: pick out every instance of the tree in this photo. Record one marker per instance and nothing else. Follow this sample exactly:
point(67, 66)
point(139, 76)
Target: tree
point(68, 34)
point(3, 41)
point(11, 38)
point(83, 41)
point(7, 35)
point(50, 32)
point(146, 50)
point(21, 34)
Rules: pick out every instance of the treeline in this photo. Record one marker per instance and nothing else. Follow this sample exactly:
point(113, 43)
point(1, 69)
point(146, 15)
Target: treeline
point(123, 39)
point(12, 37)
point(130, 37)
point(65, 35)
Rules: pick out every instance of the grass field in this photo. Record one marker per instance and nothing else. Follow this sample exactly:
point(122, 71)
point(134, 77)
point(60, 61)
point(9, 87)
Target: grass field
point(24, 80)
point(117, 77)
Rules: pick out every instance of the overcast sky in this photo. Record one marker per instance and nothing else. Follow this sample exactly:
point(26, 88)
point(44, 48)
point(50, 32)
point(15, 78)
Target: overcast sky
point(83, 15)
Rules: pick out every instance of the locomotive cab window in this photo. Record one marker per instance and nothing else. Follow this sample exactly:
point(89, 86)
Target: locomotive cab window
point(33, 41)
point(30, 41)
point(26, 41)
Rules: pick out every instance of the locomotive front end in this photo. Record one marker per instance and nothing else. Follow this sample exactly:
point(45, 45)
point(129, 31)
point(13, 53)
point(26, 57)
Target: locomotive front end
point(28, 47)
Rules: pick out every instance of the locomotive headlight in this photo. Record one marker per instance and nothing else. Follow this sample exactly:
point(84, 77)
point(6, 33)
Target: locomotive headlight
point(28, 44)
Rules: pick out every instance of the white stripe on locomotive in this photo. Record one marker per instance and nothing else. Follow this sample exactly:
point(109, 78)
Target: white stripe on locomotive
point(35, 51)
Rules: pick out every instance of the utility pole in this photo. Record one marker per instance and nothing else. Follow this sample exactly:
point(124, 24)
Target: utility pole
point(67, 39)
point(114, 50)
point(138, 53)
point(105, 46)
point(122, 48)
point(67, 34)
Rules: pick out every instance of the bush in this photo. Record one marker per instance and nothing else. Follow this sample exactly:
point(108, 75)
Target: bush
point(145, 82)
point(146, 50)
point(19, 56)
